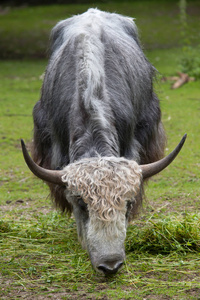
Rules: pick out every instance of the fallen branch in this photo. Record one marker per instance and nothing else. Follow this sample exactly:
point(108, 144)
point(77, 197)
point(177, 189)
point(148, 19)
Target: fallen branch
point(179, 80)
point(182, 80)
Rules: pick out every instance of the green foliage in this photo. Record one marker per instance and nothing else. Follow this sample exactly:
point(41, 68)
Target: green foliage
point(183, 21)
point(25, 30)
point(190, 62)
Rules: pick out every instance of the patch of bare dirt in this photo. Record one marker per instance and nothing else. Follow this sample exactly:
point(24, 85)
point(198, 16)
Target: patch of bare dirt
point(195, 293)
point(25, 207)
point(23, 293)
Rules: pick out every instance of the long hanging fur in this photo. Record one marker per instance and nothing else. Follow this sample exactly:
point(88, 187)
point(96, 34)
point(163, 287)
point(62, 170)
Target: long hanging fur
point(97, 97)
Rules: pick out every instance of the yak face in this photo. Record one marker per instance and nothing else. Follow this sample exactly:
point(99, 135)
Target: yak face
point(103, 240)
point(102, 192)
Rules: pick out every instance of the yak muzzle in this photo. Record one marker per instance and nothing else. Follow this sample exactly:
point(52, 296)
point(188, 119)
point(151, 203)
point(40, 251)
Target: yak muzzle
point(110, 267)
point(108, 264)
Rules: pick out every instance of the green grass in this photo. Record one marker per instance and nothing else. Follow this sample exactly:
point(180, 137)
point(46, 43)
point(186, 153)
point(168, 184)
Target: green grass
point(180, 111)
point(40, 254)
point(28, 27)
point(40, 257)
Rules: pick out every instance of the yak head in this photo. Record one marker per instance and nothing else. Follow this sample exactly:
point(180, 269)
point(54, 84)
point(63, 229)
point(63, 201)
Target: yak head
point(104, 192)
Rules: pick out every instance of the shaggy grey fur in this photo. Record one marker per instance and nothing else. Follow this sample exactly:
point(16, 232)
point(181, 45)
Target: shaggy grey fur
point(97, 99)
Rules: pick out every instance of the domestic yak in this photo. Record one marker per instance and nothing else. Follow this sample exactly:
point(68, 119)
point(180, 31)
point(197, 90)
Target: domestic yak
point(97, 129)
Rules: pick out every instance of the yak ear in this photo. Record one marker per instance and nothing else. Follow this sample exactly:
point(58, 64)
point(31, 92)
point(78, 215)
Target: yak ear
point(44, 174)
point(149, 170)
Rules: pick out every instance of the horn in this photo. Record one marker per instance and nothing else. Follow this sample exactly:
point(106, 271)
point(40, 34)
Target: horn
point(149, 170)
point(44, 174)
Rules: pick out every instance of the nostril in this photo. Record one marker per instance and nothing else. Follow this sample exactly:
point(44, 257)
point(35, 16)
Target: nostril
point(103, 268)
point(120, 264)
point(110, 267)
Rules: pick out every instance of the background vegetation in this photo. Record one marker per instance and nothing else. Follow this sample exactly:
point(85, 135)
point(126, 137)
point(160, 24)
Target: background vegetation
point(40, 257)
point(24, 31)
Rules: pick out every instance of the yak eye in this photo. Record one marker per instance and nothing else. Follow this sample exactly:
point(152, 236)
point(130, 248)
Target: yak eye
point(128, 208)
point(128, 205)
point(82, 204)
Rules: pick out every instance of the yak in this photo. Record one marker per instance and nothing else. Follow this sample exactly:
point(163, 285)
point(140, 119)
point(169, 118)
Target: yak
point(98, 133)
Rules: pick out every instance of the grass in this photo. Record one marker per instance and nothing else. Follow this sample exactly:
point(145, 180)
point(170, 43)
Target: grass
point(42, 254)
point(40, 257)
point(28, 27)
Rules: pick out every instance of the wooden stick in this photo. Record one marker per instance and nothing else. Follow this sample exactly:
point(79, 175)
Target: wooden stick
point(181, 80)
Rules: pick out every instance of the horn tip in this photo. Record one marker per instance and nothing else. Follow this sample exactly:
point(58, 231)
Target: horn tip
point(23, 145)
point(184, 138)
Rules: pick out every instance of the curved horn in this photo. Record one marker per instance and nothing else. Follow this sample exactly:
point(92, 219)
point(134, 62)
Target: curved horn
point(44, 174)
point(149, 170)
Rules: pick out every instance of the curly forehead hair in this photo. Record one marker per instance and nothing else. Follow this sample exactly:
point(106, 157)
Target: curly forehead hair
point(105, 184)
